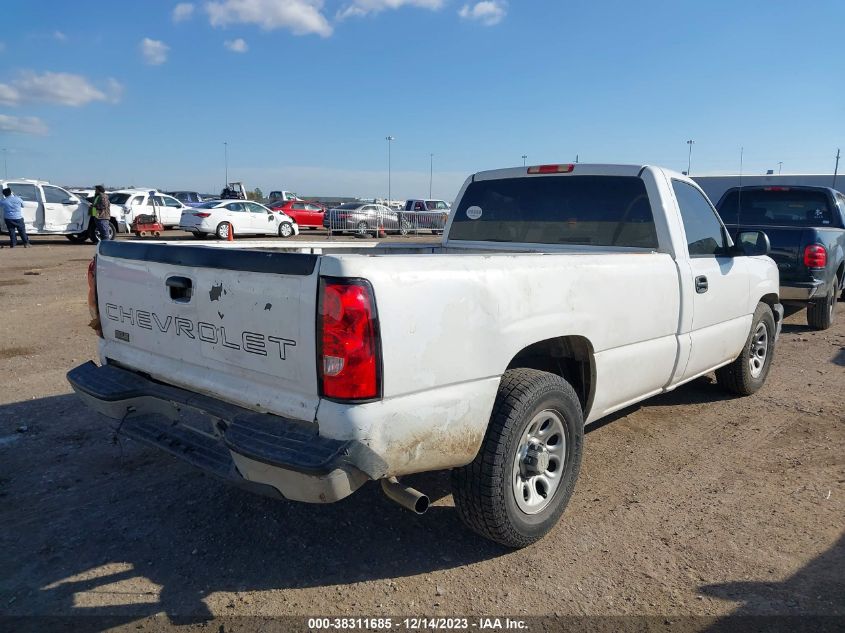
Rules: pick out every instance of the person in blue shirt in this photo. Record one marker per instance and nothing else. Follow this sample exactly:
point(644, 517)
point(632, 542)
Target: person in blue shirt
point(12, 207)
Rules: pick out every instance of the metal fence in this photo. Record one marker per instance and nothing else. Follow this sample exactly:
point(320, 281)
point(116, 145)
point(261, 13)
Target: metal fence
point(383, 223)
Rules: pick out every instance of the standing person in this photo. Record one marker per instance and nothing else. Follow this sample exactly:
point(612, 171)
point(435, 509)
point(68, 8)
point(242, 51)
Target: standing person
point(101, 211)
point(13, 216)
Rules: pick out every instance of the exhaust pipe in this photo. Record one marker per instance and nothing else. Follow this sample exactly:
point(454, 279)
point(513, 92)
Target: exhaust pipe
point(405, 496)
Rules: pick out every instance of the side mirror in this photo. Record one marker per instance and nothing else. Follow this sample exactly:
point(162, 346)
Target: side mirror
point(752, 244)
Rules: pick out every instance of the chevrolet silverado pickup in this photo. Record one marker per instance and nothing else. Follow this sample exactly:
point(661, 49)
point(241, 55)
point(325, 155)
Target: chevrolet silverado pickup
point(558, 295)
point(806, 229)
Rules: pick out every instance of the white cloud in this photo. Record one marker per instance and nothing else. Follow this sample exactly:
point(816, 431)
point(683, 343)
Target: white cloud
point(487, 12)
point(182, 11)
point(238, 45)
point(299, 16)
point(57, 88)
point(154, 51)
point(59, 36)
point(23, 125)
point(363, 7)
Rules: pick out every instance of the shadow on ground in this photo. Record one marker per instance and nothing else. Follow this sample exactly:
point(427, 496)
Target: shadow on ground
point(74, 503)
point(817, 589)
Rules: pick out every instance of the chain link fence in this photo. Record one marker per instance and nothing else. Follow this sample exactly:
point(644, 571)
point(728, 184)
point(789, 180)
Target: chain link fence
point(383, 223)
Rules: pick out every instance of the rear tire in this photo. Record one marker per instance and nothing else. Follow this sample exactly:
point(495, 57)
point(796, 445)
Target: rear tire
point(77, 238)
point(821, 312)
point(748, 372)
point(222, 232)
point(518, 485)
point(362, 229)
point(92, 232)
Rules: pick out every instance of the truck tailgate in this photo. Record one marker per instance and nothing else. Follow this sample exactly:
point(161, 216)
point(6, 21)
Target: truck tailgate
point(235, 324)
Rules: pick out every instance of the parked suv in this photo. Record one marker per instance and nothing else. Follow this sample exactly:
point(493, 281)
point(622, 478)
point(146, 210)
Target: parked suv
point(51, 210)
point(134, 202)
point(189, 198)
point(806, 228)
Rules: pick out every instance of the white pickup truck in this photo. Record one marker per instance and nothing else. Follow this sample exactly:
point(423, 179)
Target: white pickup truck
point(558, 295)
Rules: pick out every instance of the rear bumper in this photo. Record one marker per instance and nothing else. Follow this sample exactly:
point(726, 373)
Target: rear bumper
point(801, 291)
point(266, 453)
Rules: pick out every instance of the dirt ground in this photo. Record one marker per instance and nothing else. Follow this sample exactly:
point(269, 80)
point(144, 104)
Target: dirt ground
point(694, 503)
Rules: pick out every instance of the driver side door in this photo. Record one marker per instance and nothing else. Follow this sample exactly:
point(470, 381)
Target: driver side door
point(63, 211)
point(260, 220)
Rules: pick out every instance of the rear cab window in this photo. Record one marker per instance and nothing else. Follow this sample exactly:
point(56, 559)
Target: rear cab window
point(569, 210)
point(779, 206)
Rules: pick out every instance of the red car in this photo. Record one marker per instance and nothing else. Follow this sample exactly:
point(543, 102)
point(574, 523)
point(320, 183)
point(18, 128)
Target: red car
point(305, 214)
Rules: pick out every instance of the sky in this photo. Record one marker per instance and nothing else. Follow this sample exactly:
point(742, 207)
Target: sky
point(304, 92)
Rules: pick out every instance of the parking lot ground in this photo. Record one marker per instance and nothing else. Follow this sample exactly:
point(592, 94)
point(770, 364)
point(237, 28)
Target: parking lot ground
point(692, 503)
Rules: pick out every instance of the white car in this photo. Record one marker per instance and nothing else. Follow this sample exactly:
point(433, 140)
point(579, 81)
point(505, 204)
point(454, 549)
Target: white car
point(134, 202)
point(51, 210)
point(244, 216)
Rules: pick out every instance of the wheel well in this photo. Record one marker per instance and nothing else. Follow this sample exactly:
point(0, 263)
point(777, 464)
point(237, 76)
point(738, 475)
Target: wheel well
point(570, 357)
point(770, 300)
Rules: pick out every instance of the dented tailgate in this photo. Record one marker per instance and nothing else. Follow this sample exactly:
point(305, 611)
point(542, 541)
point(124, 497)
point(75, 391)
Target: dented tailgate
point(234, 324)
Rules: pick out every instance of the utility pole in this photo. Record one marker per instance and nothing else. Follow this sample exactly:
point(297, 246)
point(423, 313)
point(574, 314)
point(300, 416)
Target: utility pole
point(689, 156)
point(524, 156)
point(780, 166)
point(430, 172)
point(389, 140)
point(576, 159)
point(836, 169)
point(226, 162)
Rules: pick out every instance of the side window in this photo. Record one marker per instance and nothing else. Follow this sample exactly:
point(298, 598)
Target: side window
point(27, 193)
point(54, 194)
point(298, 206)
point(418, 206)
point(137, 201)
point(255, 208)
point(705, 237)
point(313, 207)
point(237, 207)
point(172, 202)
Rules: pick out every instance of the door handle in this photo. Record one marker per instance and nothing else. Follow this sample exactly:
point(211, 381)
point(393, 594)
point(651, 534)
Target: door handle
point(701, 284)
point(180, 288)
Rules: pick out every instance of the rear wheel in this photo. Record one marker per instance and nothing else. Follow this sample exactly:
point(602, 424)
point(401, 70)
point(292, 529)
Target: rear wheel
point(820, 313)
point(77, 238)
point(95, 237)
point(223, 231)
point(748, 372)
point(362, 229)
point(522, 478)
point(285, 229)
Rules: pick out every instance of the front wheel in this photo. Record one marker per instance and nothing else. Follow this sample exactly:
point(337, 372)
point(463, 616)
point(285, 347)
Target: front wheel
point(748, 372)
point(820, 313)
point(285, 229)
point(523, 476)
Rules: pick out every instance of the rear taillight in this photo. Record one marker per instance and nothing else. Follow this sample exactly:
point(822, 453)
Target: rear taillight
point(815, 256)
point(551, 169)
point(93, 304)
point(202, 214)
point(348, 357)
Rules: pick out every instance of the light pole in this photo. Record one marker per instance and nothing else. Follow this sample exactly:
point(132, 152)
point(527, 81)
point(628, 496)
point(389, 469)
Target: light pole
point(389, 140)
point(689, 157)
point(226, 162)
point(524, 156)
point(5, 167)
point(430, 172)
point(780, 165)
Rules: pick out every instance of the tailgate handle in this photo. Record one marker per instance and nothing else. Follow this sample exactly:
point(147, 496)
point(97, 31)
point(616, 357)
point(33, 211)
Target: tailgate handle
point(180, 288)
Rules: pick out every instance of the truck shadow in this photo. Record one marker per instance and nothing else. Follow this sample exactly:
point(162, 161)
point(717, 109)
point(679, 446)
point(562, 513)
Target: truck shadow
point(815, 589)
point(119, 530)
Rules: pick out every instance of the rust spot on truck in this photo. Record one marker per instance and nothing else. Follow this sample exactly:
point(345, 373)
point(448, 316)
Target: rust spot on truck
point(215, 292)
